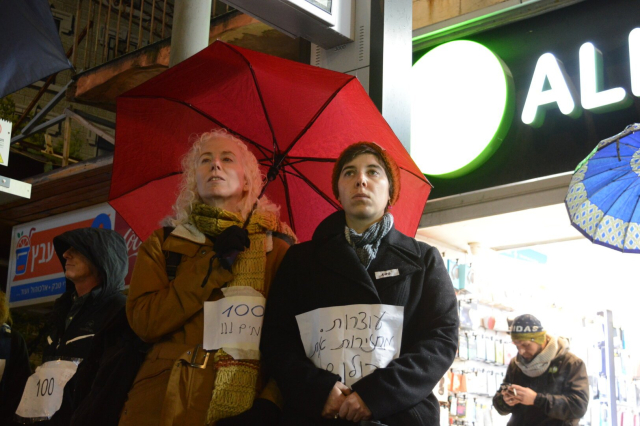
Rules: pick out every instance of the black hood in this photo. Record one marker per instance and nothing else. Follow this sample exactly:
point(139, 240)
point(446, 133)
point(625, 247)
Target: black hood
point(106, 249)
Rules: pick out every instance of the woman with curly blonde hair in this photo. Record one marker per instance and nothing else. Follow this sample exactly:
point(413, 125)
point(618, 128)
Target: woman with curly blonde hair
point(179, 382)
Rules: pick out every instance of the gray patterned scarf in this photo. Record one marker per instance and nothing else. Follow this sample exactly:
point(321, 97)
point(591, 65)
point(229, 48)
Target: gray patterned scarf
point(540, 364)
point(366, 244)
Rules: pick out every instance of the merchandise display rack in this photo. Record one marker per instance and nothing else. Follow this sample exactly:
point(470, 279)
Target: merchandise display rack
point(484, 352)
point(614, 390)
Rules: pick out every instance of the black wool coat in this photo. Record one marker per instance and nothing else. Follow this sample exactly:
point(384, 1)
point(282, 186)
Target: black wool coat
point(326, 272)
point(16, 373)
point(105, 376)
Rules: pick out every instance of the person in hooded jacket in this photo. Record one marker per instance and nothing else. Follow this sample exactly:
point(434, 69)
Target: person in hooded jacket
point(545, 384)
point(356, 256)
point(95, 263)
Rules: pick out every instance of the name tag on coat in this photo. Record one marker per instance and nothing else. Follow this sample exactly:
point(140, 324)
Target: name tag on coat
point(387, 274)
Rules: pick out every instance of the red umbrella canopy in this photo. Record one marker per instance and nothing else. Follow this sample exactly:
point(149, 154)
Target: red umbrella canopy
point(289, 113)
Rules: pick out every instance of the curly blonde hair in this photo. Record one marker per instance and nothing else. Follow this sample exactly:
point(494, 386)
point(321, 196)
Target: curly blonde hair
point(188, 195)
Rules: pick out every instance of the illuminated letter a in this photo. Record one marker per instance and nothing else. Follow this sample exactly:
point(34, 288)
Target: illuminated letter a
point(561, 92)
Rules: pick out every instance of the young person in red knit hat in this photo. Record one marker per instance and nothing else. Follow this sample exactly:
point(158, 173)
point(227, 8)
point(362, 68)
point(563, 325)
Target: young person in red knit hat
point(357, 257)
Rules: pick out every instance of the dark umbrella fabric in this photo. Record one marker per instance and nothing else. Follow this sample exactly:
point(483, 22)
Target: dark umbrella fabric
point(294, 115)
point(604, 195)
point(31, 48)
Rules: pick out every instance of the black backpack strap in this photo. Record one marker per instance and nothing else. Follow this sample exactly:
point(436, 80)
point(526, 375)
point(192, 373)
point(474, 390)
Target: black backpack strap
point(284, 237)
point(172, 258)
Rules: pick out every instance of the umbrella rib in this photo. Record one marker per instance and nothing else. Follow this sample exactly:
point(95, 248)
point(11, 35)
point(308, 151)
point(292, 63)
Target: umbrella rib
point(208, 117)
point(317, 114)
point(421, 176)
point(285, 184)
point(618, 178)
point(299, 160)
point(333, 160)
point(264, 108)
point(315, 188)
point(634, 209)
point(146, 183)
point(614, 201)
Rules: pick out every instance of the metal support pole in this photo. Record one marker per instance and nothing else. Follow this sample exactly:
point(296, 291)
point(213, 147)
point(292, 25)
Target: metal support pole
point(87, 44)
point(95, 50)
point(152, 24)
point(610, 366)
point(67, 141)
point(129, 30)
point(380, 57)
point(140, 24)
point(41, 127)
point(75, 34)
point(391, 60)
point(106, 33)
point(164, 16)
point(190, 33)
point(120, 8)
point(48, 107)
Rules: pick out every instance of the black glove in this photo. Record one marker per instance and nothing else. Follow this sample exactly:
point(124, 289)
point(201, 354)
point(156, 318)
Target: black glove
point(263, 413)
point(230, 243)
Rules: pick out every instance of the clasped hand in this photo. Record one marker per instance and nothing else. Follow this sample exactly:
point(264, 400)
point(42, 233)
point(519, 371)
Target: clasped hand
point(516, 394)
point(345, 404)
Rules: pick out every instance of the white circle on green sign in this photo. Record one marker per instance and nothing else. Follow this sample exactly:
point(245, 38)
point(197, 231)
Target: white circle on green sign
point(462, 107)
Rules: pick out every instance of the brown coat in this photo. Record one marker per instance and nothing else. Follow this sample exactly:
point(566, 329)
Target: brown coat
point(172, 387)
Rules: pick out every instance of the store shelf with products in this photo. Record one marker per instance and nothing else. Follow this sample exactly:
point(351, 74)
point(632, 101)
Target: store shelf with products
point(614, 389)
point(493, 286)
point(484, 352)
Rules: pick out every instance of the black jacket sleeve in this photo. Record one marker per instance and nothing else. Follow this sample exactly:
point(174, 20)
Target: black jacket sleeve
point(433, 333)
point(16, 373)
point(498, 401)
point(304, 386)
point(572, 404)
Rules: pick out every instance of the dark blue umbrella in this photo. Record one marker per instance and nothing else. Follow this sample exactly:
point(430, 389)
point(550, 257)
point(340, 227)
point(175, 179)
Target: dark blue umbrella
point(30, 48)
point(604, 194)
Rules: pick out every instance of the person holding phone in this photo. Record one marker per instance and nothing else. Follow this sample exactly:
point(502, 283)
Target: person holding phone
point(545, 384)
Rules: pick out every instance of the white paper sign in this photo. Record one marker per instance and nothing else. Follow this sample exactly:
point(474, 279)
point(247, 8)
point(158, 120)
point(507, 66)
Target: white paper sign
point(42, 395)
point(234, 323)
point(353, 340)
point(5, 141)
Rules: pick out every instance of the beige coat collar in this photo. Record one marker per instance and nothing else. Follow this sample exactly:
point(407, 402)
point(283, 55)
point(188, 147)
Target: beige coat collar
point(189, 232)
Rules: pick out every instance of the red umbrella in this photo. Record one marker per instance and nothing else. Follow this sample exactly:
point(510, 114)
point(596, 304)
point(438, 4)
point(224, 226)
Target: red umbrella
point(295, 116)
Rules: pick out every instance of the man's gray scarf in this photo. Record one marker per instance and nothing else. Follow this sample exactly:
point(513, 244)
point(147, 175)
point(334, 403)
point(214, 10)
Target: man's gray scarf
point(366, 244)
point(540, 364)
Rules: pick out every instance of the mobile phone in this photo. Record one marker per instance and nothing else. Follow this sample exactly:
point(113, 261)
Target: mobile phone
point(505, 387)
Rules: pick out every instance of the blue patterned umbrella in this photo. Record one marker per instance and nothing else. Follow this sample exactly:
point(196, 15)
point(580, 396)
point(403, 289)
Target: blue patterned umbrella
point(604, 194)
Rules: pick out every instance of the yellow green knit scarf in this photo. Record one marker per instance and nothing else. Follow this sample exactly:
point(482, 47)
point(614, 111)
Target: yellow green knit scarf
point(236, 381)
